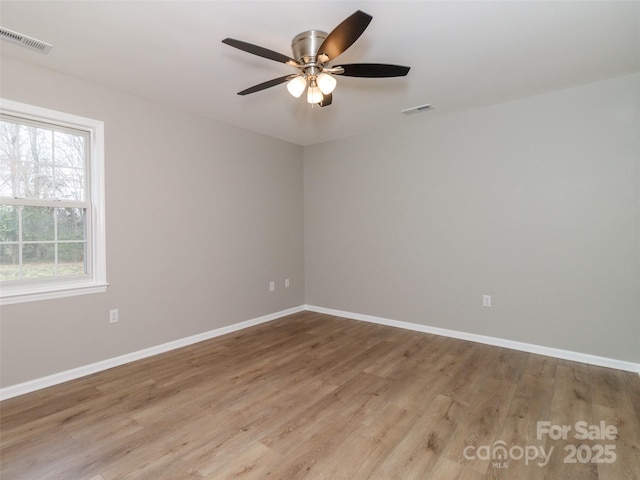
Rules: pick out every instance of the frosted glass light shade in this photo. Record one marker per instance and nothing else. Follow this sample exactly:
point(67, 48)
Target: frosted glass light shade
point(326, 83)
point(297, 85)
point(314, 95)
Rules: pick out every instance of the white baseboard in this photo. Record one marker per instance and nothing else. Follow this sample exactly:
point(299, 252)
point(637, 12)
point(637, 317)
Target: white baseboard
point(498, 342)
point(57, 378)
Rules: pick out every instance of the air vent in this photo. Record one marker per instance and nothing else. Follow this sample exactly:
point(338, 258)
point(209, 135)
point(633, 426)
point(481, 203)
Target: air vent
point(418, 109)
point(23, 40)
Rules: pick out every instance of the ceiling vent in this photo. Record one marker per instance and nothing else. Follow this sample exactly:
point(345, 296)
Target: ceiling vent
point(418, 109)
point(23, 40)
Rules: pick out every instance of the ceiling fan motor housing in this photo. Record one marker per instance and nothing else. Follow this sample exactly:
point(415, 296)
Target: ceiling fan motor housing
point(305, 45)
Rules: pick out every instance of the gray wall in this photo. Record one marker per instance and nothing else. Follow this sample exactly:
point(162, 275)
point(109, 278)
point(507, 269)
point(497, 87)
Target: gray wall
point(200, 216)
point(535, 202)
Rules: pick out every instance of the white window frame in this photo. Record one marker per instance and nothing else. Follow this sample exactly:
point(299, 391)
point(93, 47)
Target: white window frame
point(96, 282)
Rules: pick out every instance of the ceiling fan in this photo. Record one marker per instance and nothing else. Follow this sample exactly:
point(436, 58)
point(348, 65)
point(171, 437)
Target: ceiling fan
point(312, 52)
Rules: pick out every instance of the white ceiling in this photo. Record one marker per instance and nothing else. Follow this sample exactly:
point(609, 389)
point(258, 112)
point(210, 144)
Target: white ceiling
point(462, 54)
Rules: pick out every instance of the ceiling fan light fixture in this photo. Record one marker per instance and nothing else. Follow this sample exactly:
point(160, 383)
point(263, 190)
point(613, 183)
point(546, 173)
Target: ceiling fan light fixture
point(314, 94)
point(326, 83)
point(297, 85)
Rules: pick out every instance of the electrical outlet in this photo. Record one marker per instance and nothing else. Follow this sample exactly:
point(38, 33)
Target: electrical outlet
point(286, 283)
point(486, 300)
point(113, 316)
point(272, 286)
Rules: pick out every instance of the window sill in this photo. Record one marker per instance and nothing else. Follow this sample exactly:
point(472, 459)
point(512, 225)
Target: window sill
point(11, 295)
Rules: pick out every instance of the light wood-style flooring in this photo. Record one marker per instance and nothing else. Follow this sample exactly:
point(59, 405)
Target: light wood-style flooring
point(312, 396)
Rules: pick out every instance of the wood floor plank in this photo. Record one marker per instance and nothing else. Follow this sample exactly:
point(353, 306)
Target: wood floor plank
point(532, 400)
point(571, 403)
point(626, 445)
point(541, 366)
point(451, 470)
point(417, 454)
point(481, 423)
point(350, 460)
point(253, 462)
point(318, 397)
point(36, 458)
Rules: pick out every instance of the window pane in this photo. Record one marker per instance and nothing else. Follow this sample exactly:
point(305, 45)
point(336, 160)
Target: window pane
point(69, 150)
point(42, 149)
point(6, 177)
point(9, 262)
point(24, 142)
point(38, 260)
point(8, 156)
point(71, 258)
point(71, 223)
point(35, 144)
point(37, 224)
point(8, 223)
point(38, 181)
point(69, 184)
point(9, 148)
point(13, 178)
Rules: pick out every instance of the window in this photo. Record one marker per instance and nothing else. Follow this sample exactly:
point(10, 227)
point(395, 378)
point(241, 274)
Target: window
point(52, 238)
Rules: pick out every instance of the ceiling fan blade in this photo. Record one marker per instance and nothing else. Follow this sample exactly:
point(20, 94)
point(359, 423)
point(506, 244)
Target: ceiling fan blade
point(344, 35)
point(327, 99)
point(265, 85)
point(260, 51)
point(374, 70)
